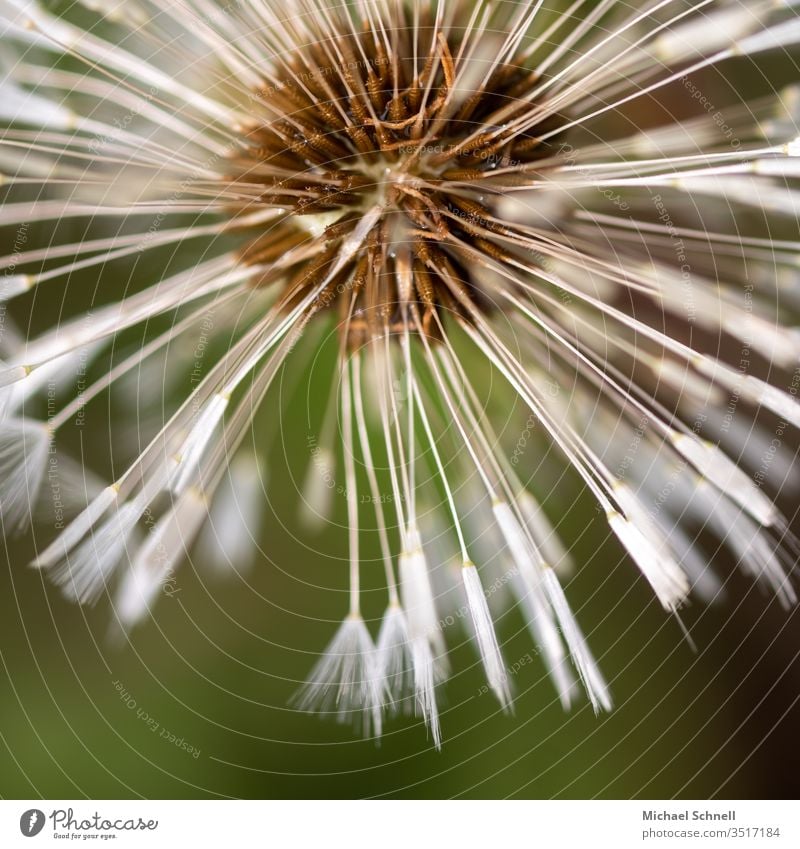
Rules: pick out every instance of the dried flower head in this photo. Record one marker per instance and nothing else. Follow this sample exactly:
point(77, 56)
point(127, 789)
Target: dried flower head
point(549, 198)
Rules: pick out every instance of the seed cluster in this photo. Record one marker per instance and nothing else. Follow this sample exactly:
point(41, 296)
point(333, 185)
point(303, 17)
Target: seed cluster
point(424, 143)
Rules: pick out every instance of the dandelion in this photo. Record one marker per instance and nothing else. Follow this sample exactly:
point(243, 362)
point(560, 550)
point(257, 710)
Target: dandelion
point(547, 198)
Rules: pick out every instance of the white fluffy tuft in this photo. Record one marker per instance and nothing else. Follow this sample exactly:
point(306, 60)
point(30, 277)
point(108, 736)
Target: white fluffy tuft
point(395, 661)
point(345, 680)
point(583, 659)
point(86, 572)
point(154, 563)
point(24, 448)
point(229, 540)
point(485, 636)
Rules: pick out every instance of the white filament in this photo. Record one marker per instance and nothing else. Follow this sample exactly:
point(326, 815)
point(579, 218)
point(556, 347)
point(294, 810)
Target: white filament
point(484, 633)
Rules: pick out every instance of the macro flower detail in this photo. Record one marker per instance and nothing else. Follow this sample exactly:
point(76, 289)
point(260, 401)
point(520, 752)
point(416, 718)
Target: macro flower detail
point(499, 211)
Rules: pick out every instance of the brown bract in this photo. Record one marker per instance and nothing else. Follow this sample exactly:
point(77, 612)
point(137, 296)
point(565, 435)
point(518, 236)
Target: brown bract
point(422, 137)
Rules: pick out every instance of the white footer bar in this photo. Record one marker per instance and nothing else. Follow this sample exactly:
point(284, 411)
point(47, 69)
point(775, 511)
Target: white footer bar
point(331, 824)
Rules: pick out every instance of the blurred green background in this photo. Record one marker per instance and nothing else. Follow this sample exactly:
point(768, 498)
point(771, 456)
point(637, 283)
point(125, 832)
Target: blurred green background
point(221, 659)
point(215, 669)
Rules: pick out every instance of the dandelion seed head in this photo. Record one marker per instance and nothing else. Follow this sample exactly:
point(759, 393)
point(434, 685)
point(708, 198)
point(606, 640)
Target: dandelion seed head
point(459, 189)
point(405, 129)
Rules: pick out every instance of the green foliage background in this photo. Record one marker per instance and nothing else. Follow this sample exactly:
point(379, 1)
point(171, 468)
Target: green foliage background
point(219, 662)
